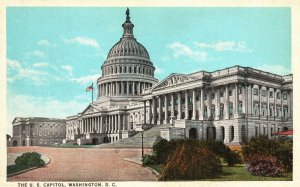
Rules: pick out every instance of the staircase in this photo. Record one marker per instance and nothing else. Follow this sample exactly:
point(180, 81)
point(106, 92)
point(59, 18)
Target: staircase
point(151, 136)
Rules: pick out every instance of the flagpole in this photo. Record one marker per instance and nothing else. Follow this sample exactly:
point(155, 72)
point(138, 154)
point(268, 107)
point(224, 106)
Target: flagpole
point(92, 93)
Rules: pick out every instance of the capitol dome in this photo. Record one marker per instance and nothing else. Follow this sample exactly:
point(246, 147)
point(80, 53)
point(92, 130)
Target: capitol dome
point(128, 68)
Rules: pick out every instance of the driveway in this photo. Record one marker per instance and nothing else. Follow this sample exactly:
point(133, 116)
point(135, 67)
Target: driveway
point(85, 164)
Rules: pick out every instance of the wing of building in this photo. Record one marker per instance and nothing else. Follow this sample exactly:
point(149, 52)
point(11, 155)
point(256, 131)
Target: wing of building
point(33, 131)
point(230, 105)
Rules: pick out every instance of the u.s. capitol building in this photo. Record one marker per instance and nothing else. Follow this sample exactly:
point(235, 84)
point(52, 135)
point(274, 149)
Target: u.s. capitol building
point(229, 105)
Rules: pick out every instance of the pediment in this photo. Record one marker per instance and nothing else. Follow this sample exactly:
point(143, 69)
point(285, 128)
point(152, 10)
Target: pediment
point(174, 79)
point(90, 109)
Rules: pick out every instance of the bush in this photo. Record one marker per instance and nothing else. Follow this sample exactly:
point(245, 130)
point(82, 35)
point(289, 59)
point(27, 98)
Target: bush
point(148, 160)
point(191, 161)
point(232, 158)
point(281, 150)
point(30, 159)
point(222, 151)
point(263, 165)
point(164, 148)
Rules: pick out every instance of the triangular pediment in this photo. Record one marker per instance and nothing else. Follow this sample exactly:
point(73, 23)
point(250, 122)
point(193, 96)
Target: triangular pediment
point(90, 109)
point(174, 79)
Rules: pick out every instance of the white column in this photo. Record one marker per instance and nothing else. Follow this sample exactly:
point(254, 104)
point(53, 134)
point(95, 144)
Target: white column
point(119, 123)
point(186, 105)
point(122, 88)
point(149, 111)
point(154, 110)
point(166, 110)
point(201, 110)
point(179, 105)
point(194, 104)
point(226, 104)
point(133, 87)
point(172, 105)
point(217, 107)
point(159, 110)
point(236, 100)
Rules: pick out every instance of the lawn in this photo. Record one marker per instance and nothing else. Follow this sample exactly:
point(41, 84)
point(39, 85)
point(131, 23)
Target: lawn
point(237, 173)
point(16, 168)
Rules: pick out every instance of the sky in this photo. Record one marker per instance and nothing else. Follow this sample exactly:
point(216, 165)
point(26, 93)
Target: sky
point(53, 54)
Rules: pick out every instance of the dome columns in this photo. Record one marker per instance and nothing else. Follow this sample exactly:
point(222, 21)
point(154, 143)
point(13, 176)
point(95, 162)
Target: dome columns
point(122, 88)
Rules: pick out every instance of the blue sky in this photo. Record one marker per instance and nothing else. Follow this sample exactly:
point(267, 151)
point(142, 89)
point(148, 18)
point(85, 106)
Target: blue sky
point(53, 54)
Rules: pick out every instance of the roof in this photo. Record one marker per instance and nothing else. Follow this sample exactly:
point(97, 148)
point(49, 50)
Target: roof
point(284, 133)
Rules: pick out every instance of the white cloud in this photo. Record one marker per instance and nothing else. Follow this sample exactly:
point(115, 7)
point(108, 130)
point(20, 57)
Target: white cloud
point(38, 53)
point(46, 43)
point(180, 49)
point(84, 41)
point(33, 106)
point(40, 64)
point(224, 46)
point(86, 79)
point(16, 72)
point(68, 68)
point(276, 69)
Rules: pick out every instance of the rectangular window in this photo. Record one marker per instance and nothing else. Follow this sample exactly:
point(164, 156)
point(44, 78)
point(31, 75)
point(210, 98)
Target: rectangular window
point(255, 91)
point(271, 94)
point(212, 95)
point(205, 97)
point(256, 131)
point(197, 98)
point(230, 92)
point(221, 94)
point(240, 90)
point(264, 129)
point(263, 93)
point(284, 96)
point(278, 95)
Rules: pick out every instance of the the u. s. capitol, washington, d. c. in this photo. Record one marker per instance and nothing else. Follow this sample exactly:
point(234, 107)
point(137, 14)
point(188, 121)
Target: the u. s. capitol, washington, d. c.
point(229, 105)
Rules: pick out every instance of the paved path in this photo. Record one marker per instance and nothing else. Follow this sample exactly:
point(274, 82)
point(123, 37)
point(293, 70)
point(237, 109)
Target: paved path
point(82, 164)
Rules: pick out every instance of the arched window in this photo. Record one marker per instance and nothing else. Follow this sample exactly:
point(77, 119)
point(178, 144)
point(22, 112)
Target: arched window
point(134, 69)
point(120, 69)
point(129, 70)
point(125, 69)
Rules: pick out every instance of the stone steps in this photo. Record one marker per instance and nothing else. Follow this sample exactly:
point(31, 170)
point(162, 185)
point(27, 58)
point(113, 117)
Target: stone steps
point(151, 136)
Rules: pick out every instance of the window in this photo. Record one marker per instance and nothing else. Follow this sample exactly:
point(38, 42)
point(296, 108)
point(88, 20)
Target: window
point(205, 97)
point(256, 131)
point(264, 93)
point(205, 111)
point(240, 90)
point(255, 91)
point(213, 111)
point(284, 96)
point(212, 95)
point(278, 95)
point(221, 94)
point(230, 92)
point(271, 94)
point(222, 110)
point(197, 98)
point(264, 130)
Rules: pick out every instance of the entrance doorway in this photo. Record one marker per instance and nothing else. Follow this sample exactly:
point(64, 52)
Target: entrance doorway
point(193, 133)
point(95, 141)
point(15, 143)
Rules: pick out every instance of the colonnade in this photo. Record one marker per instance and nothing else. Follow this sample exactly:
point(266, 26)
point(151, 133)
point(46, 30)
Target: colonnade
point(122, 88)
point(205, 103)
point(103, 124)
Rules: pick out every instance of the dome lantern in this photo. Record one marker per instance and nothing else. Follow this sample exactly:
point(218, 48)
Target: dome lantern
point(128, 26)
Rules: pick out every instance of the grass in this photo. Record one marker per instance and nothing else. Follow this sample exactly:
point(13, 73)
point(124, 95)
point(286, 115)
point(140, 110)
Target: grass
point(16, 168)
point(238, 173)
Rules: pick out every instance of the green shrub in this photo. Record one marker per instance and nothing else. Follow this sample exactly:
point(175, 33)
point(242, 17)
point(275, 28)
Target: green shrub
point(232, 158)
point(262, 145)
point(30, 159)
point(265, 165)
point(148, 160)
point(191, 161)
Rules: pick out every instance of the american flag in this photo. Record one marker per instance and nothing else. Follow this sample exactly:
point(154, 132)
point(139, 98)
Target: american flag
point(90, 88)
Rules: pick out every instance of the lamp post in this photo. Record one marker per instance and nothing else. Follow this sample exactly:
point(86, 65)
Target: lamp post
point(142, 141)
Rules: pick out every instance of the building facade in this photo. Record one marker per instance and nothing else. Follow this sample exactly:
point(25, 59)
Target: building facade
point(37, 131)
point(229, 105)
